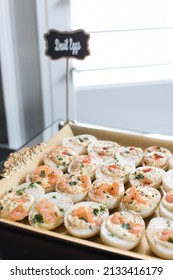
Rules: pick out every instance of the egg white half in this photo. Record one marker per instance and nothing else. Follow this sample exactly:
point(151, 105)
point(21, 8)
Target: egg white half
point(78, 226)
point(146, 176)
point(74, 185)
point(79, 143)
point(130, 154)
point(117, 235)
point(166, 206)
point(48, 211)
point(157, 159)
point(167, 181)
point(84, 164)
point(115, 170)
point(103, 149)
point(156, 227)
point(15, 207)
point(110, 200)
point(150, 198)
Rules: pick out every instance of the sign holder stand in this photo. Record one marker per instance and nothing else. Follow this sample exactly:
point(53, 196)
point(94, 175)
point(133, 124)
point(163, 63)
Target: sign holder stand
point(67, 45)
point(67, 91)
point(67, 121)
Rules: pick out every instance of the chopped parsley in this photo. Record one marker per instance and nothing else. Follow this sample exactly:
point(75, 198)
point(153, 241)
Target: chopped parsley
point(21, 191)
point(83, 219)
point(102, 208)
point(38, 218)
point(82, 139)
point(60, 158)
point(139, 176)
point(38, 182)
point(170, 239)
point(131, 202)
point(95, 211)
point(42, 173)
point(168, 223)
point(127, 226)
point(72, 183)
point(31, 186)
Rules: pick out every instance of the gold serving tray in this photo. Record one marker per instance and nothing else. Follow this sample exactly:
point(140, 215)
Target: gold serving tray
point(126, 138)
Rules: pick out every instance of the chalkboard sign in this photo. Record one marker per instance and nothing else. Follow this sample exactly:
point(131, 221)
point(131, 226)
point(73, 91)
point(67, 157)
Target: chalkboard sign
point(67, 44)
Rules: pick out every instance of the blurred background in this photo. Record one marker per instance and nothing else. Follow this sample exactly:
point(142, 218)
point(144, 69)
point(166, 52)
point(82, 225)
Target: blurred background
point(126, 82)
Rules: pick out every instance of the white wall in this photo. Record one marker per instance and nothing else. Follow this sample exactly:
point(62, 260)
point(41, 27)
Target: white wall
point(52, 14)
point(141, 107)
point(28, 65)
point(20, 70)
point(35, 86)
point(3, 127)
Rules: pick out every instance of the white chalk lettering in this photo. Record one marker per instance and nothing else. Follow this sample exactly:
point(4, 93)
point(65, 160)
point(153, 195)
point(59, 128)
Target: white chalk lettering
point(61, 46)
point(74, 46)
point(67, 45)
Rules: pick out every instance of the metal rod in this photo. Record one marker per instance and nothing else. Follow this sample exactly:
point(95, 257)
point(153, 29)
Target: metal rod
point(67, 121)
point(67, 91)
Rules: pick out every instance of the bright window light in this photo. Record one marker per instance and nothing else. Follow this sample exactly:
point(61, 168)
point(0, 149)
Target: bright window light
point(130, 41)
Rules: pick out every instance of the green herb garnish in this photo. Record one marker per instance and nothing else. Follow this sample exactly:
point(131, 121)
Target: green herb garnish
point(127, 226)
point(38, 218)
point(95, 211)
point(72, 183)
point(42, 173)
point(38, 182)
point(83, 219)
point(21, 191)
point(139, 176)
point(102, 208)
point(31, 186)
point(170, 239)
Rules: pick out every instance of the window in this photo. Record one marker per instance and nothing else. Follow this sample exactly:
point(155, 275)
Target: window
point(131, 41)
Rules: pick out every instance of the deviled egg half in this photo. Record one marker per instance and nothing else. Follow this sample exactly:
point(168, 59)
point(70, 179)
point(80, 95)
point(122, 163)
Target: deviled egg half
point(84, 219)
point(123, 229)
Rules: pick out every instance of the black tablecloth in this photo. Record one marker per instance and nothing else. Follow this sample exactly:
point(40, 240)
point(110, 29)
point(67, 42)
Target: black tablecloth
point(18, 244)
